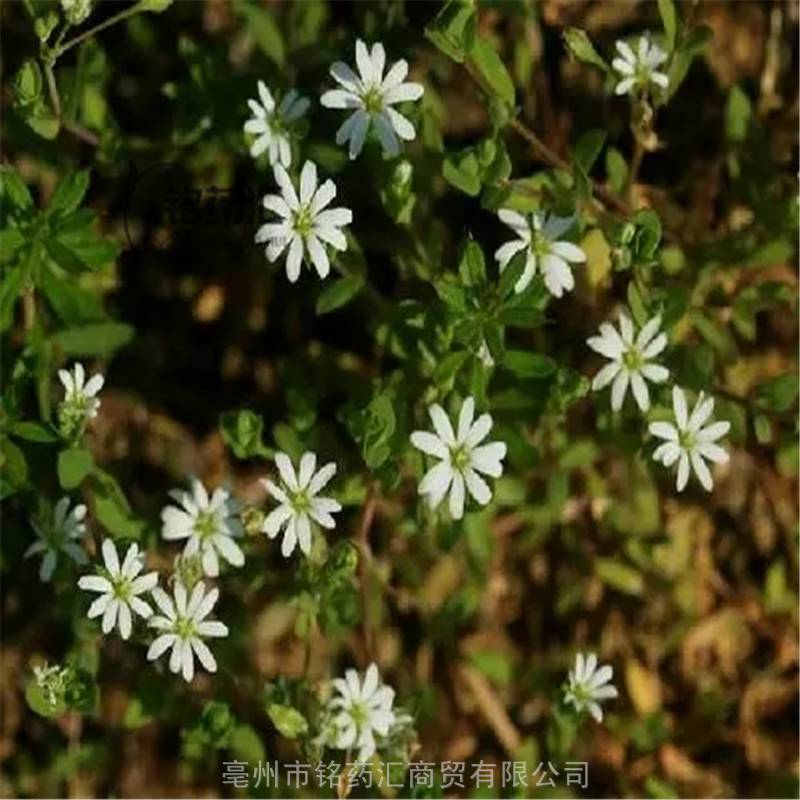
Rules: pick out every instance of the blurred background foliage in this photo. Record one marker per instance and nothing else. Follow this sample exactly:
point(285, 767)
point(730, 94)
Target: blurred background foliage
point(693, 598)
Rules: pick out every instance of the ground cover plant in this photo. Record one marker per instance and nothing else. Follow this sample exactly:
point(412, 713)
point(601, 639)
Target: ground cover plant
point(399, 399)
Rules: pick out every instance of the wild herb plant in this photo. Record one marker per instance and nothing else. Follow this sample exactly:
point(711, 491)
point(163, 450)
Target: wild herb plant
point(503, 391)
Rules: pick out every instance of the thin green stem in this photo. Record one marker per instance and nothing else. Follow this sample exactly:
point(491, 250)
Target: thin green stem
point(59, 51)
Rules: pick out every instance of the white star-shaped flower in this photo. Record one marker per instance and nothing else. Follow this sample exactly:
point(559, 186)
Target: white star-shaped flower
point(689, 441)
point(462, 458)
point(630, 360)
point(639, 69)
point(372, 96)
point(183, 626)
point(271, 124)
point(300, 503)
point(539, 237)
point(208, 523)
point(588, 686)
point(306, 225)
point(361, 709)
point(119, 587)
point(80, 403)
point(62, 535)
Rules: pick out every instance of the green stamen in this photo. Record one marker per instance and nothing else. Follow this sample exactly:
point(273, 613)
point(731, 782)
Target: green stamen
point(373, 101)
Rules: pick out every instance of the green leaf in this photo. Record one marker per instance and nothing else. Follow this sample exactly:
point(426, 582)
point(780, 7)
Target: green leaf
point(69, 194)
point(13, 468)
point(692, 45)
point(339, 293)
point(98, 339)
point(488, 63)
point(528, 365)
point(511, 274)
point(33, 432)
point(463, 171)
point(111, 508)
point(453, 29)
point(154, 6)
point(74, 465)
point(13, 190)
point(738, 115)
point(763, 428)
point(246, 745)
point(581, 48)
point(242, 431)
point(40, 702)
point(647, 236)
point(616, 169)
point(379, 427)
point(669, 19)
point(716, 334)
point(449, 366)
point(63, 256)
point(265, 31)
point(472, 265)
point(28, 83)
point(73, 304)
point(620, 576)
point(587, 149)
point(778, 394)
point(289, 721)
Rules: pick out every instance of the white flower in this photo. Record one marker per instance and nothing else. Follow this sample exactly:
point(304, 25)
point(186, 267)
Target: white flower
point(589, 685)
point(80, 403)
point(272, 124)
point(372, 96)
point(306, 225)
point(63, 535)
point(209, 525)
point(119, 587)
point(538, 236)
point(360, 710)
point(638, 69)
point(461, 457)
point(690, 440)
point(183, 626)
point(300, 502)
point(630, 360)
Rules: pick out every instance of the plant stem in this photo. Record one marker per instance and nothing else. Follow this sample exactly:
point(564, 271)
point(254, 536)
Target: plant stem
point(636, 163)
point(29, 309)
point(367, 516)
point(544, 153)
point(128, 12)
point(55, 99)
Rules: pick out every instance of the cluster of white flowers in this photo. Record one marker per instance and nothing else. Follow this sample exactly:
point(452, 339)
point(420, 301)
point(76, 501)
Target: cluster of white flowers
point(306, 225)
point(638, 69)
point(588, 686)
point(689, 441)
